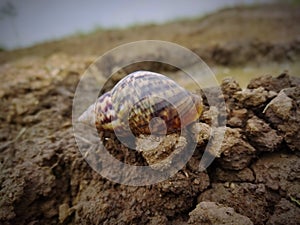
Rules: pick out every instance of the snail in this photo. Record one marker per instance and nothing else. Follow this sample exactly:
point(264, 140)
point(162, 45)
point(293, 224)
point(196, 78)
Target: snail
point(140, 98)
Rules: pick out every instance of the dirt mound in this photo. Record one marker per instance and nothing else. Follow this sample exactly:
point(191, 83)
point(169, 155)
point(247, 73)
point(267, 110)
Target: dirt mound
point(44, 179)
point(254, 179)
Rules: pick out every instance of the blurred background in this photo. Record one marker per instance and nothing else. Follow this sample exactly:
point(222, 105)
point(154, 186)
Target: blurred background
point(24, 23)
point(238, 38)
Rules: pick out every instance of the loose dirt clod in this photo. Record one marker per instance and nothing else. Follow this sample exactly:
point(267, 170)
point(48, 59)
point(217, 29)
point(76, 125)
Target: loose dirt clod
point(212, 213)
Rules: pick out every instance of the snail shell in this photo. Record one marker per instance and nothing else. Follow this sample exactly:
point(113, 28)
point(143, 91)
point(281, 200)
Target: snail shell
point(140, 97)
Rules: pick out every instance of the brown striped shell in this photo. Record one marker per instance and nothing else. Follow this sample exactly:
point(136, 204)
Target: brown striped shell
point(139, 98)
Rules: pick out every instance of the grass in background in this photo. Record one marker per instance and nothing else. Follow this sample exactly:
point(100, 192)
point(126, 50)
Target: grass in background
point(246, 73)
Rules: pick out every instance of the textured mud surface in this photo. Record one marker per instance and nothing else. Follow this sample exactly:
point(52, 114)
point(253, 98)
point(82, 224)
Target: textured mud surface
point(45, 180)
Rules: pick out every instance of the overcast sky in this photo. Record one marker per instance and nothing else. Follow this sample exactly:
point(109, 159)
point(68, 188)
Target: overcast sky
point(40, 20)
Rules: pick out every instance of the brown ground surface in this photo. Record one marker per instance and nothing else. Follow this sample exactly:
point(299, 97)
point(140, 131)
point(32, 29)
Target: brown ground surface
point(45, 180)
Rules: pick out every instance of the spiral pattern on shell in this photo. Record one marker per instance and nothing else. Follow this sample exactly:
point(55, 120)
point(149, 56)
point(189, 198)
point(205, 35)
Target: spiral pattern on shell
point(138, 99)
